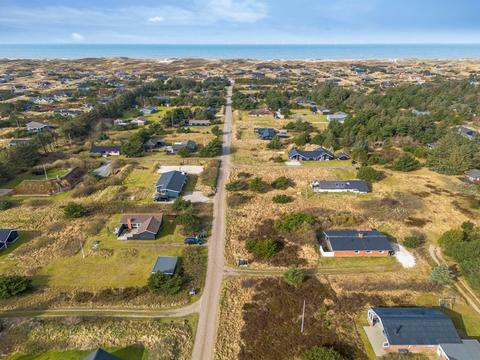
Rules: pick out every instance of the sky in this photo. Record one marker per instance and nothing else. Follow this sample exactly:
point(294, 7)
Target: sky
point(239, 21)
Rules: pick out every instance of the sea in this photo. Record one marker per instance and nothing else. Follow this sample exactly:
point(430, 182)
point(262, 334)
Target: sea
point(255, 52)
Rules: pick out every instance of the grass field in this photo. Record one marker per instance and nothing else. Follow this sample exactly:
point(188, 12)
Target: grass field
point(128, 353)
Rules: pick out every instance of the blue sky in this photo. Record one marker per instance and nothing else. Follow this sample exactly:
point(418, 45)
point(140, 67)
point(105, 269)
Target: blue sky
point(240, 21)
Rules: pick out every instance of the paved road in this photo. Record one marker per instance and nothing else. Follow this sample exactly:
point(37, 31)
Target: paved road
point(207, 324)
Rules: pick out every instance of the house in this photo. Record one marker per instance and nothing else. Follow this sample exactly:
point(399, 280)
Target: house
point(409, 329)
point(139, 121)
point(323, 110)
point(139, 226)
point(106, 150)
point(467, 350)
point(338, 117)
point(190, 145)
point(7, 237)
point(343, 156)
point(282, 133)
point(468, 133)
point(265, 133)
point(260, 112)
point(319, 154)
point(34, 126)
point(170, 184)
point(301, 100)
point(351, 243)
point(198, 123)
point(166, 265)
point(101, 354)
point(149, 110)
point(16, 142)
point(154, 143)
point(120, 122)
point(473, 176)
point(335, 186)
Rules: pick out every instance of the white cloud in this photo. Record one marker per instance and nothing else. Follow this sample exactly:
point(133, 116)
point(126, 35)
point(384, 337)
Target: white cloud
point(156, 19)
point(77, 37)
point(247, 11)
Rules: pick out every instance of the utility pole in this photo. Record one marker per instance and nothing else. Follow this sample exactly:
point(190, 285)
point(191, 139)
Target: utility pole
point(303, 316)
point(45, 172)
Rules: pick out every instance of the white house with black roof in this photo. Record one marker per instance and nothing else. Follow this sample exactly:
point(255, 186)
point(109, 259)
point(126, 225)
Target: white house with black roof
point(340, 186)
point(106, 150)
point(320, 154)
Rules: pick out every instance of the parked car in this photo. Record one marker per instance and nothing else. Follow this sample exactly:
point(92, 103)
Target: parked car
point(193, 241)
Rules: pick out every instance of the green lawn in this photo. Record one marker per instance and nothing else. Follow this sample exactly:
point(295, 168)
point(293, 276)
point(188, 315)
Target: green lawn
point(364, 263)
point(128, 353)
point(116, 263)
point(51, 174)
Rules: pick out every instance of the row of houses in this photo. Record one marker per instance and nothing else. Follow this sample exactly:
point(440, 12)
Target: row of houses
point(151, 144)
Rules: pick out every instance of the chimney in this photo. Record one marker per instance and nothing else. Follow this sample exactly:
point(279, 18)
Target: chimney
point(129, 224)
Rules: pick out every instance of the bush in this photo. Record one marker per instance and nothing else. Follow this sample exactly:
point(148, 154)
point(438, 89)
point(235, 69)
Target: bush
point(413, 242)
point(474, 203)
point(263, 249)
point(369, 174)
point(13, 285)
point(190, 222)
point(237, 185)
point(212, 149)
point(294, 276)
point(74, 211)
point(406, 163)
point(5, 204)
point(282, 199)
point(274, 144)
point(278, 159)
point(441, 275)
point(291, 222)
point(321, 353)
point(257, 185)
point(302, 139)
point(164, 284)
point(183, 152)
point(181, 204)
point(281, 183)
point(216, 130)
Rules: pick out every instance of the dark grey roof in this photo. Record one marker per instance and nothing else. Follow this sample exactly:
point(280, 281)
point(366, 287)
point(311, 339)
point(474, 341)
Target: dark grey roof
point(417, 326)
point(358, 185)
point(313, 154)
point(172, 180)
point(467, 350)
point(101, 354)
point(266, 133)
point(165, 264)
point(104, 148)
point(189, 145)
point(353, 240)
point(5, 233)
point(474, 173)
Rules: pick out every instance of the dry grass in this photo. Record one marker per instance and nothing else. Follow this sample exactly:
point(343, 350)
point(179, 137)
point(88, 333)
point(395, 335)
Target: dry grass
point(161, 339)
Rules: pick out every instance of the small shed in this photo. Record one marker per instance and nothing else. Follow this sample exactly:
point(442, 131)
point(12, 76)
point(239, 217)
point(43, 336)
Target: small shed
point(166, 265)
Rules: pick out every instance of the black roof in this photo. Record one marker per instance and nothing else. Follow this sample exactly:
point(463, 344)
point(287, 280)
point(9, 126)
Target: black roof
point(172, 180)
point(417, 326)
point(103, 148)
point(5, 233)
point(101, 354)
point(320, 152)
point(356, 240)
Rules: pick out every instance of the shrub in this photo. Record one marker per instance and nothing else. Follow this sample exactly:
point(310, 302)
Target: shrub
point(5, 204)
point(237, 200)
point(264, 248)
point(244, 174)
point(294, 276)
point(406, 163)
point(13, 285)
point(257, 185)
point(212, 149)
point(291, 222)
point(184, 153)
point(369, 174)
point(281, 183)
point(163, 284)
point(274, 144)
point(190, 222)
point(237, 185)
point(474, 203)
point(441, 275)
point(278, 159)
point(282, 199)
point(413, 242)
point(181, 204)
point(74, 211)
point(302, 139)
point(216, 130)
point(321, 353)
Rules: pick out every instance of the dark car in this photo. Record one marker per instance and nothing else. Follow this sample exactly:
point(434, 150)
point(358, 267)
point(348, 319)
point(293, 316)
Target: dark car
point(193, 241)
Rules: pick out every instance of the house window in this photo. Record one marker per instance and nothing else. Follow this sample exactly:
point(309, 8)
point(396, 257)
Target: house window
point(381, 251)
point(357, 252)
point(369, 251)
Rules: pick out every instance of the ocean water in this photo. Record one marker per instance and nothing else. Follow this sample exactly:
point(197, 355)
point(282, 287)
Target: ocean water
point(260, 52)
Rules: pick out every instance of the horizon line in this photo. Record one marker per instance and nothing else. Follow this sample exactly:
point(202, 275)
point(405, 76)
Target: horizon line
point(250, 44)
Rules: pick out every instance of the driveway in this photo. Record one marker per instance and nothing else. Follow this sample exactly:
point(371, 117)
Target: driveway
point(189, 169)
point(196, 197)
point(404, 257)
point(376, 338)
